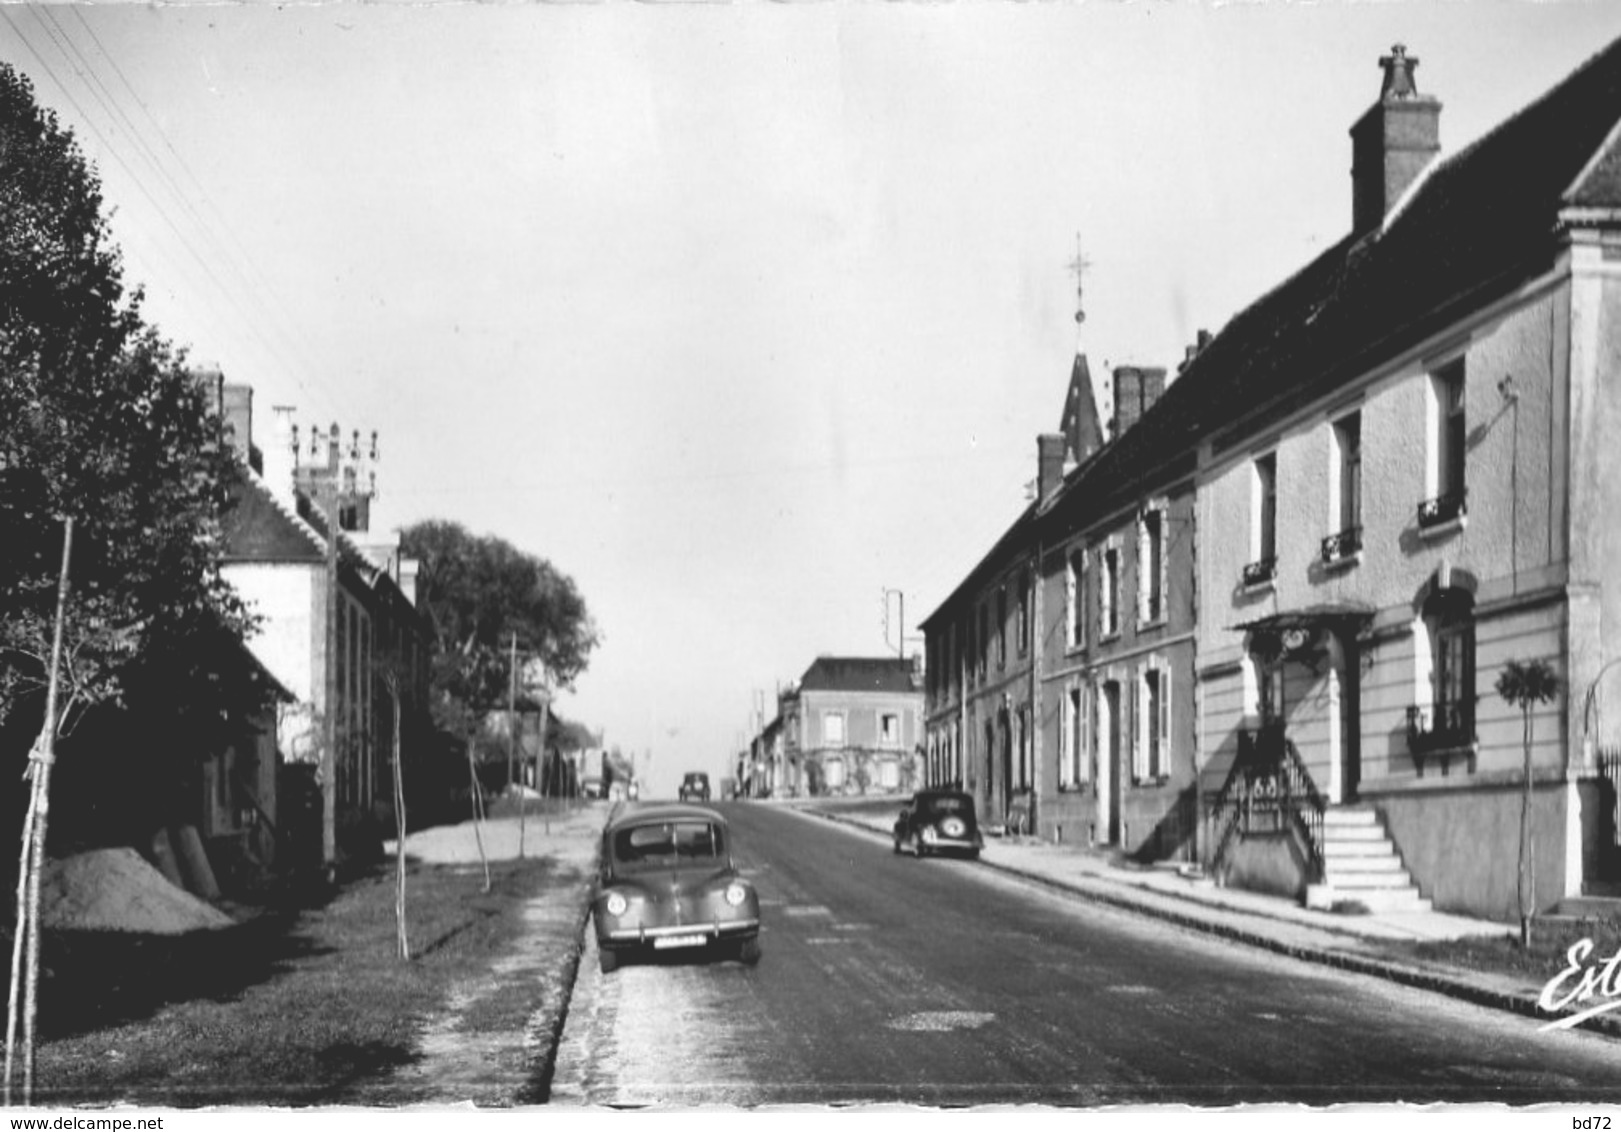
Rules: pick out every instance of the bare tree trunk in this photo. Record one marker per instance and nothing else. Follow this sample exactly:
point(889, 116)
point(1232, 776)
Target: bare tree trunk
point(399, 829)
point(1527, 875)
point(19, 941)
point(478, 813)
point(33, 857)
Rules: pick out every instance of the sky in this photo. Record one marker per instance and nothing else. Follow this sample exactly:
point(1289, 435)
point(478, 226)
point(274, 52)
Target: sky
point(740, 314)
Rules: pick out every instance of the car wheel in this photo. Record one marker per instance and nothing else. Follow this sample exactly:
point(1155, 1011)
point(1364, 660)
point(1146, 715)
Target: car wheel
point(608, 959)
point(748, 951)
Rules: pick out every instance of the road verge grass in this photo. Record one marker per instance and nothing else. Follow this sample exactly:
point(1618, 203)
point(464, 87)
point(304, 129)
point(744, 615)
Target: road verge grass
point(299, 1007)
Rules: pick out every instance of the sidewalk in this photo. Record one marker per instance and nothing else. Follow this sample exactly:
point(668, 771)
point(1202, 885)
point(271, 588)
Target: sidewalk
point(1359, 943)
point(497, 1066)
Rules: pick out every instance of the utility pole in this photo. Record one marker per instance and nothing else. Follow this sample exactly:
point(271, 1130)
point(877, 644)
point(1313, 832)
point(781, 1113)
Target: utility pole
point(900, 637)
point(329, 745)
point(512, 709)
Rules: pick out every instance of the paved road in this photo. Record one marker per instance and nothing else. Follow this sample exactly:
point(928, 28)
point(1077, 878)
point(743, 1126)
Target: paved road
point(942, 983)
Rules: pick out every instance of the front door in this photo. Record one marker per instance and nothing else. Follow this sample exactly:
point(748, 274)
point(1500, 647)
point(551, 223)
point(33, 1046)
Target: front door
point(1350, 722)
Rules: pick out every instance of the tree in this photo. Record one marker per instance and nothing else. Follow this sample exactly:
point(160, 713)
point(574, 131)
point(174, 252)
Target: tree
point(103, 433)
point(1524, 684)
point(477, 591)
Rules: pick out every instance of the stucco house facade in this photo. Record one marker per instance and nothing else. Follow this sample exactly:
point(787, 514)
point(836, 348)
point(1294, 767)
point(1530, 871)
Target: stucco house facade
point(1376, 486)
point(276, 558)
point(854, 728)
point(1415, 488)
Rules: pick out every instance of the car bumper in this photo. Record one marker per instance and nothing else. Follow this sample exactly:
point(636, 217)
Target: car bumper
point(950, 845)
point(711, 931)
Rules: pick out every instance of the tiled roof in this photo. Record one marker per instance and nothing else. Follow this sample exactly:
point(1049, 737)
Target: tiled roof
point(858, 674)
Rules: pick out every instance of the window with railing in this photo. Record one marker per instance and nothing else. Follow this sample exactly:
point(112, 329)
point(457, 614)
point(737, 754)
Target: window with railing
point(1345, 543)
point(1263, 564)
point(1447, 448)
point(1446, 723)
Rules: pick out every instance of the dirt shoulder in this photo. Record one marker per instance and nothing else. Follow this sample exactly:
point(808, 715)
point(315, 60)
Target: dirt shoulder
point(311, 1006)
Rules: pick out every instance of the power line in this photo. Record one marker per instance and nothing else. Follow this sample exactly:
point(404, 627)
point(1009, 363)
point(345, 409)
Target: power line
point(222, 300)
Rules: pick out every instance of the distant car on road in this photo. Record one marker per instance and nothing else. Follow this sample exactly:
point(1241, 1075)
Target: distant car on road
point(695, 787)
point(939, 821)
point(668, 882)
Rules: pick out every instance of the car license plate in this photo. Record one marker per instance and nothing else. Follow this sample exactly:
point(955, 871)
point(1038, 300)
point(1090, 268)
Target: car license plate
point(663, 941)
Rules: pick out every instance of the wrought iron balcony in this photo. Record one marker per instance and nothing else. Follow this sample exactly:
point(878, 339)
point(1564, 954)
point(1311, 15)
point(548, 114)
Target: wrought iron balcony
point(1442, 509)
point(1339, 547)
point(1441, 730)
point(1260, 573)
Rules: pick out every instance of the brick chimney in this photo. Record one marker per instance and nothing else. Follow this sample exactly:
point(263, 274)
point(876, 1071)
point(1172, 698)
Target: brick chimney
point(1136, 388)
point(1392, 143)
point(1050, 448)
point(238, 415)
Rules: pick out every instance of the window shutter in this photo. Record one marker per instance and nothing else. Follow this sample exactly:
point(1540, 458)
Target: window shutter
point(1166, 758)
point(1083, 739)
point(1139, 745)
point(1165, 564)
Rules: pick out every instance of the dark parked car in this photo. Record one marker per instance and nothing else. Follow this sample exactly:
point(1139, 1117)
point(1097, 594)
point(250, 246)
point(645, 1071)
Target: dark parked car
point(668, 882)
point(695, 787)
point(939, 821)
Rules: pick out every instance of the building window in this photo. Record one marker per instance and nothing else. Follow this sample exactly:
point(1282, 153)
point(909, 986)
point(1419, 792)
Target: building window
point(832, 729)
point(1022, 750)
point(1075, 760)
point(1263, 564)
point(1024, 613)
point(1446, 502)
point(1109, 594)
point(1345, 523)
point(1075, 600)
point(984, 642)
point(889, 729)
point(1447, 720)
point(1151, 566)
point(1151, 750)
point(1001, 627)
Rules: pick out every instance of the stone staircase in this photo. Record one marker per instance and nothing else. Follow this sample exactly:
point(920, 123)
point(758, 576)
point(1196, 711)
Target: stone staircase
point(1360, 864)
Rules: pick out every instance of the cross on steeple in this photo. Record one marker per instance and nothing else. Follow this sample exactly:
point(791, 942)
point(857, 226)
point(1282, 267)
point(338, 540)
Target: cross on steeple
point(1078, 267)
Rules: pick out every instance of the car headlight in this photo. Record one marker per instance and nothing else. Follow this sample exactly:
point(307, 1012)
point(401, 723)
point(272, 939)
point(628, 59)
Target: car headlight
point(736, 894)
point(617, 904)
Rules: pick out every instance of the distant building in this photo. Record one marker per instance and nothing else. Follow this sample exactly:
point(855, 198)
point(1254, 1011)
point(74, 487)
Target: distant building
point(851, 725)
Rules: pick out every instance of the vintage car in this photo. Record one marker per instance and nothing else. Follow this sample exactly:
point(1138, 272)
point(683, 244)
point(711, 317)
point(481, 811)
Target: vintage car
point(939, 821)
point(668, 883)
point(694, 787)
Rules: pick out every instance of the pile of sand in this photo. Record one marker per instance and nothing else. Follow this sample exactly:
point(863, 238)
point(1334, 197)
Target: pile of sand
point(116, 890)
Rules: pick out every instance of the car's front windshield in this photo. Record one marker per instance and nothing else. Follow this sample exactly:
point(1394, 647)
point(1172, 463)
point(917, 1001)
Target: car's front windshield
point(669, 843)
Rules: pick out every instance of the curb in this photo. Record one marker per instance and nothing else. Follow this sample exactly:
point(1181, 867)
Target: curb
point(538, 1090)
point(1449, 985)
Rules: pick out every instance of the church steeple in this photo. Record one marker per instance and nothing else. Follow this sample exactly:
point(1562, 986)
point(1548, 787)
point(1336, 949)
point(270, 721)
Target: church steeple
point(1081, 426)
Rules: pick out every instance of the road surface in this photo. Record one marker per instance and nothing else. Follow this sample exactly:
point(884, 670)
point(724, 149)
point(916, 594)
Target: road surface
point(887, 979)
